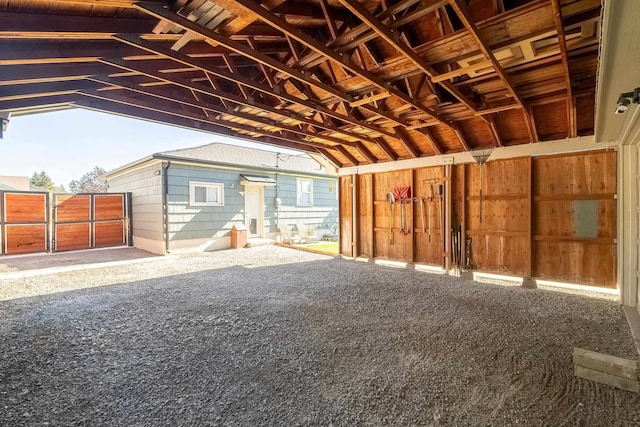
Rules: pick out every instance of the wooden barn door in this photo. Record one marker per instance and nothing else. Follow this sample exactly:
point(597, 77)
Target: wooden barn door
point(23, 223)
point(85, 221)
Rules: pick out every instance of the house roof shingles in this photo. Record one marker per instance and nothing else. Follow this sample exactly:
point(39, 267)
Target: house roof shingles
point(244, 156)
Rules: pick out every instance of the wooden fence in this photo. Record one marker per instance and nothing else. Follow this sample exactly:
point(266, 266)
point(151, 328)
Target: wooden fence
point(29, 223)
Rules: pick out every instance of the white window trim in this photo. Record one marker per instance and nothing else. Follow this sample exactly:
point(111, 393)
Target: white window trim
point(218, 185)
point(298, 193)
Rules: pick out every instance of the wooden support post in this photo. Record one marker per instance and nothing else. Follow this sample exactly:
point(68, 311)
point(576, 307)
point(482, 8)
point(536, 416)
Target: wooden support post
point(530, 225)
point(463, 215)
point(354, 215)
point(412, 216)
point(373, 216)
point(447, 221)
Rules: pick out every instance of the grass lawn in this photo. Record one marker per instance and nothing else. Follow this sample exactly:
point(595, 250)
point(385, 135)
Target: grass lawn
point(329, 247)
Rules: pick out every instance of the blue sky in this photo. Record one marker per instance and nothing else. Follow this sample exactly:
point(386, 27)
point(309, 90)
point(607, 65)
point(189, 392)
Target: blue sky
point(67, 144)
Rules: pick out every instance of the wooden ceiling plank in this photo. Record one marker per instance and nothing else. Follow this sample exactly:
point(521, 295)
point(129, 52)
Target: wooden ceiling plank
point(562, 41)
point(461, 137)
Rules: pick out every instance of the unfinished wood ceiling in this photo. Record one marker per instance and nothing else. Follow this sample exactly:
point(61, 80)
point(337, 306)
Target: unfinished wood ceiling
point(359, 82)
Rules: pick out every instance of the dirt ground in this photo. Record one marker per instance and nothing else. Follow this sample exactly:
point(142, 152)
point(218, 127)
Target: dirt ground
point(274, 336)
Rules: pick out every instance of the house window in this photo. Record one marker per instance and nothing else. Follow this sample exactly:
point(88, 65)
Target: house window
point(305, 192)
point(206, 194)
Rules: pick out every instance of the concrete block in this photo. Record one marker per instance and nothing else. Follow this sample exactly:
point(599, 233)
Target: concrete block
point(604, 378)
point(606, 363)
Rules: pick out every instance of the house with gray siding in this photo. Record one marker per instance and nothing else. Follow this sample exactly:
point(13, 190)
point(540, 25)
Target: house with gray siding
point(189, 199)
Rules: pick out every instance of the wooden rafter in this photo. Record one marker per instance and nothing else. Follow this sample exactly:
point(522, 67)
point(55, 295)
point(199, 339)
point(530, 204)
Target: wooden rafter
point(342, 60)
point(209, 107)
point(467, 21)
point(392, 37)
point(277, 91)
point(562, 41)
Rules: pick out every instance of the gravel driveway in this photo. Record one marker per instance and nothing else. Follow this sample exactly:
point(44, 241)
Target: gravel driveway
point(274, 336)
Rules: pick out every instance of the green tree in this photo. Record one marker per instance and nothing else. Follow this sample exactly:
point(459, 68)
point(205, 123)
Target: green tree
point(89, 183)
point(42, 180)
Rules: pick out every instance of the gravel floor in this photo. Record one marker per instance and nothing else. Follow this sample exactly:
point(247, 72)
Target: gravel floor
point(273, 336)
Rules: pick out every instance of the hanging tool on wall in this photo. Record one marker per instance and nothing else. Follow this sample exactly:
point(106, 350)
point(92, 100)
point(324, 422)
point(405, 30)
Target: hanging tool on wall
point(441, 194)
point(402, 194)
point(391, 199)
point(481, 157)
point(430, 202)
point(421, 201)
point(467, 263)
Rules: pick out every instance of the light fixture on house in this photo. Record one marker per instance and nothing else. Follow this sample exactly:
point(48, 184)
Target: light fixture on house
point(626, 99)
point(4, 122)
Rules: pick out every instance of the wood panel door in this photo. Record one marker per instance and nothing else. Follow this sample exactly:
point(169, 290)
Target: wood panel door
point(23, 223)
point(109, 222)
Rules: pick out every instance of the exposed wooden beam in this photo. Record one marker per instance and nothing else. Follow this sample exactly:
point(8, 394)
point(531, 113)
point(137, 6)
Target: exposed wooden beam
point(434, 144)
point(207, 106)
point(562, 41)
point(340, 59)
point(240, 48)
point(392, 37)
point(277, 91)
point(347, 154)
point(463, 140)
point(405, 140)
point(331, 157)
point(163, 118)
point(167, 108)
point(463, 14)
point(494, 131)
point(251, 103)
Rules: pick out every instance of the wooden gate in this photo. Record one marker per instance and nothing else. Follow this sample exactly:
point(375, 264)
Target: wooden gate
point(23, 222)
point(85, 221)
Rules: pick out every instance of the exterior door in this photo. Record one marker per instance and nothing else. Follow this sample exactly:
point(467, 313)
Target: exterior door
point(254, 211)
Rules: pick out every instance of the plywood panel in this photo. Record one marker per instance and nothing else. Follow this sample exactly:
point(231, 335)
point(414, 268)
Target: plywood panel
point(109, 234)
point(575, 218)
point(365, 216)
point(428, 249)
point(583, 263)
point(401, 249)
point(71, 237)
point(108, 207)
point(24, 208)
point(72, 208)
point(499, 253)
point(577, 174)
point(345, 215)
point(25, 239)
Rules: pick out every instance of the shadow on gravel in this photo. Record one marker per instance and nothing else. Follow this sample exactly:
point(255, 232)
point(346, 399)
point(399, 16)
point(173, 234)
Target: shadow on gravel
point(312, 343)
point(69, 259)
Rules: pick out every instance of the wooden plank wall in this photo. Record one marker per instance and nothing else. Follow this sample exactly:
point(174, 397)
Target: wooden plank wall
point(548, 217)
point(345, 211)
